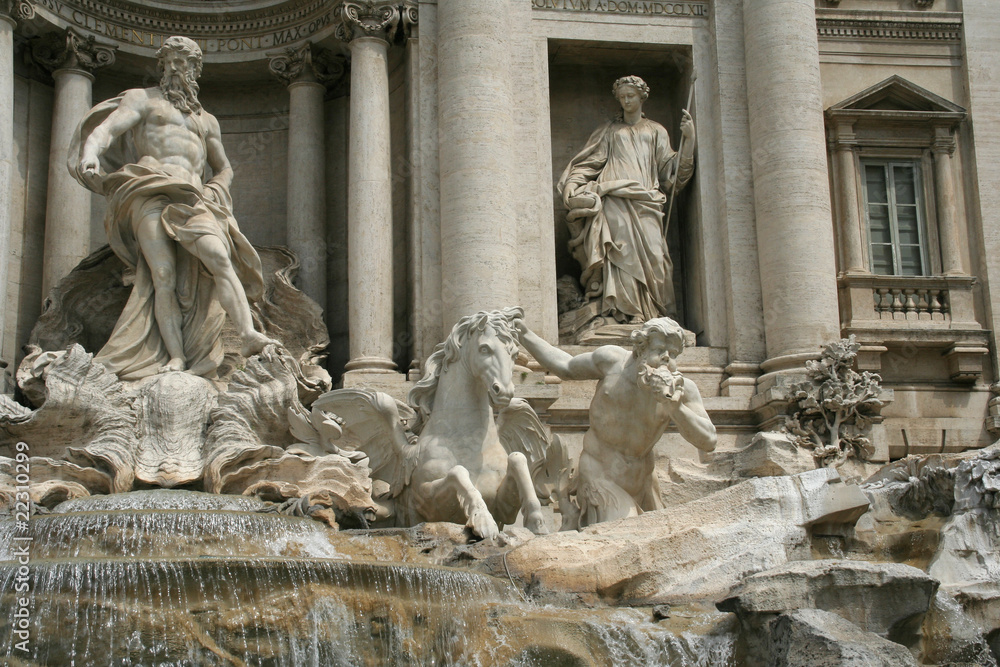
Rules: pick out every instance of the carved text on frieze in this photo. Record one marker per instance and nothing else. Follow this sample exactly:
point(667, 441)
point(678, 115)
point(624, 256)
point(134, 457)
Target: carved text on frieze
point(641, 7)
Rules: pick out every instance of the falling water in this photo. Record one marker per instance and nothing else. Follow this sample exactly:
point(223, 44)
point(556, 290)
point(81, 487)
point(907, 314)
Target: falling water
point(181, 578)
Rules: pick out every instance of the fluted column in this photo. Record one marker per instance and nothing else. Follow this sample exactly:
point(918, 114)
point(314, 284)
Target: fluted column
point(851, 232)
point(10, 12)
point(72, 59)
point(307, 71)
point(478, 217)
point(944, 193)
point(791, 183)
point(368, 27)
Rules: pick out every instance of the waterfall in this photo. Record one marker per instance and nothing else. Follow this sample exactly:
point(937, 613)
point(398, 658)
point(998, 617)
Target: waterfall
point(179, 579)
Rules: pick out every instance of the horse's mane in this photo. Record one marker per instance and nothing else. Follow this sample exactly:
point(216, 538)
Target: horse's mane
point(421, 397)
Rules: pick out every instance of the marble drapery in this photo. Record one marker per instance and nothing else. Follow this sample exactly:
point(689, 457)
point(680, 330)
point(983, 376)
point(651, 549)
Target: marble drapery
point(187, 212)
point(620, 241)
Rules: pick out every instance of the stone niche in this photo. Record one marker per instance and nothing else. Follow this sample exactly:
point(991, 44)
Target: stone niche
point(581, 74)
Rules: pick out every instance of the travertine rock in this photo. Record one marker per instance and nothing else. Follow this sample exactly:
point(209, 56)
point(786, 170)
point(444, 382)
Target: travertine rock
point(770, 454)
point(817, 638)
point(697, 551)
point(889, 599)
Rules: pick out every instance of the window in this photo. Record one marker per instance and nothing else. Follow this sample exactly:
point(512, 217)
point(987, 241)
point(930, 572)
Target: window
point(895, 216)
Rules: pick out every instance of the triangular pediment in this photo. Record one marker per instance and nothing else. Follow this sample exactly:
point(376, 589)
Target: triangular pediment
point(897, 94)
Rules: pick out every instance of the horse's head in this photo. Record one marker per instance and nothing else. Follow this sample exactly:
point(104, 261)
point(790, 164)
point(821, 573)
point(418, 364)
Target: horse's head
point(490, 351)
point(486, 344)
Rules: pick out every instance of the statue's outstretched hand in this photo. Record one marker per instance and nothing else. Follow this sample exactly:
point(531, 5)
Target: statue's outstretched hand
point(90, 170)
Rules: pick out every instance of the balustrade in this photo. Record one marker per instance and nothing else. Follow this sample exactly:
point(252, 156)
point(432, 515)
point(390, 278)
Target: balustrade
point(911, 303)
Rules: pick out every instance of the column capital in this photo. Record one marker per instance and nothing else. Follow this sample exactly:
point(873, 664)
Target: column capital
point(308, 63)
point(16, 10)
point(374, 18)
point(71, 50)
point(944, 140)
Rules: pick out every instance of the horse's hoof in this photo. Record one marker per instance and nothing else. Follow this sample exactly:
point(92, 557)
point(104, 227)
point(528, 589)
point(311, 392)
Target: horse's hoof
point(484, 525)
point(535, 522)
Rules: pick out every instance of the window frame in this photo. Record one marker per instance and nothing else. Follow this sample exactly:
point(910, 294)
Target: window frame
point(888, 163)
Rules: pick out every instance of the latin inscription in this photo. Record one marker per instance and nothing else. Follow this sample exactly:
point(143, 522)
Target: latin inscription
point(102, 28)
point(641, 7)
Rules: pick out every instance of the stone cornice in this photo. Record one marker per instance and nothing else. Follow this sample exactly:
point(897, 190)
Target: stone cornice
point(374, 18)
point(225, 31)
point(881, 29)
point(18, 10)
point(308, 63)
point(71, 50)
point(211, 24)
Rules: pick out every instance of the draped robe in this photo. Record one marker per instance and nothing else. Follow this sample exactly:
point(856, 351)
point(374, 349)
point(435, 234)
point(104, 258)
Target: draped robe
point(620, 242)
point(186, 212)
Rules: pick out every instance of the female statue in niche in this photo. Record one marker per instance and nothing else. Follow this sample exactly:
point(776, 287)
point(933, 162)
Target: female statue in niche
point(615, 190)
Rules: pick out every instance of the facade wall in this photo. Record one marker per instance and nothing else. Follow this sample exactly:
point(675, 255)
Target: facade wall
point(561, 58)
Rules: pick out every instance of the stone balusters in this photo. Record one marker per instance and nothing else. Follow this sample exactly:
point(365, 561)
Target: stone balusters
point(368, 27)
point(72, 59)
point(307, 71)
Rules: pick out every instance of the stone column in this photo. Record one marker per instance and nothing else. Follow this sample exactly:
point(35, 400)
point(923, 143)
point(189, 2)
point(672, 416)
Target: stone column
point(368, 27)
point(478, 218)
point(10, 12)
point(944, 193)
point(307, 71)
point(791, 181)
point(851, 232)
point(71, 58)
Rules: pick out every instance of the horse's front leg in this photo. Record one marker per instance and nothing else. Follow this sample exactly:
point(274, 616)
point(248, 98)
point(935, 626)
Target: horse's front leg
point(457, 485)
point(517, 492)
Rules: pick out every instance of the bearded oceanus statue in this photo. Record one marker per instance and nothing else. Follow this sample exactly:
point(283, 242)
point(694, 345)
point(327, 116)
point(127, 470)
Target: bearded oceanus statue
point(149, 152)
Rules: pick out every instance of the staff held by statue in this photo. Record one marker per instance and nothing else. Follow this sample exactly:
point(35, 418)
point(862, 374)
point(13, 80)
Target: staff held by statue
point(680, 148)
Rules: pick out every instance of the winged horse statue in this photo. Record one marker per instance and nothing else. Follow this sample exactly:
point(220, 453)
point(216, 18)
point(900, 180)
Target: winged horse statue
point(441, 456)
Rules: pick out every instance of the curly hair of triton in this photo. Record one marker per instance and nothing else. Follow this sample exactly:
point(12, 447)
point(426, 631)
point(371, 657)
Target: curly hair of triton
point(184, 46)
point(633, 81)
point(664, 325)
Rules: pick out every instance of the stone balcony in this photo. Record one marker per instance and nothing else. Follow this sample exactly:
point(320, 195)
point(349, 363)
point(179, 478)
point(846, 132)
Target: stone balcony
point(929, 312)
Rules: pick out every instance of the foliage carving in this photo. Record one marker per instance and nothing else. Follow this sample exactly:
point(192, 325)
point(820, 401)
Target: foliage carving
point(832, 411)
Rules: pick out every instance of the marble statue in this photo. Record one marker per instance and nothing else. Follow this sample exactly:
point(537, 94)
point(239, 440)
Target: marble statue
point(149, 151)
point(638, 395)
point(615, 190)
point(443, 457)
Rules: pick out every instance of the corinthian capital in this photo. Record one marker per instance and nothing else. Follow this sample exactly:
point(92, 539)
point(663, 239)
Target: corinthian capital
point(71, 50)
point(308, 63)
point(17, 10)
point(374, 18)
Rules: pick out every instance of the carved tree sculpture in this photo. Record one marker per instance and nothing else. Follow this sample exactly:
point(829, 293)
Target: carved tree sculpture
point(834, 407)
